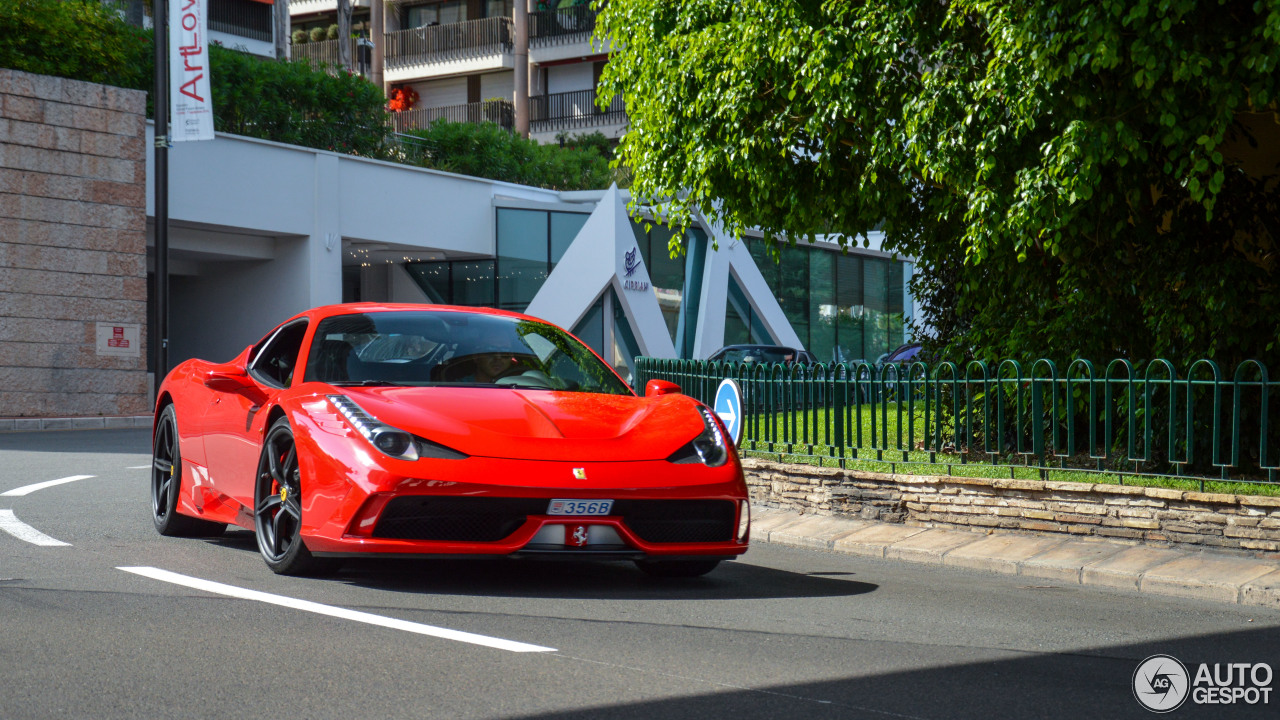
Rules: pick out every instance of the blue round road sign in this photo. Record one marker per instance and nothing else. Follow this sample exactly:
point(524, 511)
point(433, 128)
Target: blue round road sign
point(728, 407)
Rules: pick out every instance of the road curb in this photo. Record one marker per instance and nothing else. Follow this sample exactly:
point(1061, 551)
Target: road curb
point(116, 422)
point(1199, 574)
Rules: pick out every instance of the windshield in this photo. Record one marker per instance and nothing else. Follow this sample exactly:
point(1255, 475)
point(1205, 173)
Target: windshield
point(761, 354)
point(432, 348)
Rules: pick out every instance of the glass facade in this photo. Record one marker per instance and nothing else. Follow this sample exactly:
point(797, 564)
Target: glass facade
point(530, 243)
point(844, 307)
point(666, 273)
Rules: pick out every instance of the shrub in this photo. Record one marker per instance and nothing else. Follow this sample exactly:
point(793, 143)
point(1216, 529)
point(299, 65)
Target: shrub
point(300, 37)
point(317, 34)
point(332, 32)
point(82, 41)
point(486, 150)
point(291, 102)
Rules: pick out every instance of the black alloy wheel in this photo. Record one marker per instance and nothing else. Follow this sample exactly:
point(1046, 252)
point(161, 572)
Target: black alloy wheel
point(277, 514)
point(166, 484)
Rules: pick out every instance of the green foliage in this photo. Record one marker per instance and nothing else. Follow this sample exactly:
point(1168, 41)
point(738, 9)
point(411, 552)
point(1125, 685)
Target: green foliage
point(78, 40)
point(300, 37)
point(486, 150)
point(286, 102)
point(1075, 177)
point(293, 103)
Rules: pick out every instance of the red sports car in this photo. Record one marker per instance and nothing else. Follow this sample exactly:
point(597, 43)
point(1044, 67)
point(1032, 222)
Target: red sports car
point(419, 430)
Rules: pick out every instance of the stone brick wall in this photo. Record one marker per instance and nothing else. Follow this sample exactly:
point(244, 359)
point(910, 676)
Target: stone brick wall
point(1241, 522)
point(72, 245)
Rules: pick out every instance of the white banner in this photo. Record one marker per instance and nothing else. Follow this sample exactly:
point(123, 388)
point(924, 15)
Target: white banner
point(191, 116)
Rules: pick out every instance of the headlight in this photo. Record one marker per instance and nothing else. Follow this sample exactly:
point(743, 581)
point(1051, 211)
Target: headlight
point(390, 441)
point(708, 448)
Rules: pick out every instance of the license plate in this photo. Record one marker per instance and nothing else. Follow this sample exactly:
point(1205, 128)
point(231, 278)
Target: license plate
point(579, 507)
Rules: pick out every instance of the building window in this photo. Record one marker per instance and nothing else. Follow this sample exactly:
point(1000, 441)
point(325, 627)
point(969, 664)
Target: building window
point(442, 13)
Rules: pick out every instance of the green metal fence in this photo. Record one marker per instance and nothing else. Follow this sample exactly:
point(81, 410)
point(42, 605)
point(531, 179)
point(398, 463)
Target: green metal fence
point(1123, 420)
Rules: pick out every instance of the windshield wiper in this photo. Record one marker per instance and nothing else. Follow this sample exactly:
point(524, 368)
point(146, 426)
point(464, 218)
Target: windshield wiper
point(363, 383)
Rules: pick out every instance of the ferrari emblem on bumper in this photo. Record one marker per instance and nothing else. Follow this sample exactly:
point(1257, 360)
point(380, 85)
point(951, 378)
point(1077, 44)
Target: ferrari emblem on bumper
point(578, 537)
point(580, 473)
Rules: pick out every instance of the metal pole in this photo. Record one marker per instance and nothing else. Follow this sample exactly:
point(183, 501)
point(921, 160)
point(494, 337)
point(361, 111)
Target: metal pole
point(161, 102)
point(520, 26)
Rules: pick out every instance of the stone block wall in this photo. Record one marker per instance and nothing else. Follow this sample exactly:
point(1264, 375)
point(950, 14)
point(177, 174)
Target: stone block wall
point(73, 247)
point(1240, 522)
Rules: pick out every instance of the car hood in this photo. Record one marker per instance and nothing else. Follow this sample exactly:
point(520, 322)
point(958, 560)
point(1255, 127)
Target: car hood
point(537, 424)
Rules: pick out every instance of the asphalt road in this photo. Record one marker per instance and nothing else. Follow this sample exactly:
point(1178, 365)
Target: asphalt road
point(782, 633)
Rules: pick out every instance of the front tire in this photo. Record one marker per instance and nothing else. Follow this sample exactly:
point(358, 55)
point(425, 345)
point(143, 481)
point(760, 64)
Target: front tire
point(166, 484)
point(277, 502)
point(677, 568)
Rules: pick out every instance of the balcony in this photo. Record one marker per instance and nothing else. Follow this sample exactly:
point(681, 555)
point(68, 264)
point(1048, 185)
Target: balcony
point(325, 53)
point(469, 46)
point(561, 27)
point(573, 110)
point(312, 7)
point(501, 112)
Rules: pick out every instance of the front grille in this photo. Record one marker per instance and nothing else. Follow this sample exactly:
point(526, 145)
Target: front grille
point(678, 521)
point(455, 519)
point(488, 519)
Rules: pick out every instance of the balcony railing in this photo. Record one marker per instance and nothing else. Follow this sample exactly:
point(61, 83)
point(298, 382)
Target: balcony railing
point(241, 17)
point(454, 41)
point(501, 112)
point(325, 52)
point(561, 27)
point(561, 111)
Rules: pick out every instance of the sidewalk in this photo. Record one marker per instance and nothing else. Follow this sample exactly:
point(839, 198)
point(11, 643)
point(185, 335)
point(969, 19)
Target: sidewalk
point(1204, 575)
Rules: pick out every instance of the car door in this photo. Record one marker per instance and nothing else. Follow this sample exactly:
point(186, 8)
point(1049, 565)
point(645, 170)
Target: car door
point(235, 421)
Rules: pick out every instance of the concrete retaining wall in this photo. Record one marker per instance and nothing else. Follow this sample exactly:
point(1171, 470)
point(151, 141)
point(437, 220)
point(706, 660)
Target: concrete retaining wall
point(73, 250)
point(1241, 522)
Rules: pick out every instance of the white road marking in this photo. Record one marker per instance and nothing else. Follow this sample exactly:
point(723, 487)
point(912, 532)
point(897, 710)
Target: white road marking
point(313, 607)
point(138, 467)
point(15, 527)
point(28, 489)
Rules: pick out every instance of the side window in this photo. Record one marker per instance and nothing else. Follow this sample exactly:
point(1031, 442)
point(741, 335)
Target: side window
point(275, 362)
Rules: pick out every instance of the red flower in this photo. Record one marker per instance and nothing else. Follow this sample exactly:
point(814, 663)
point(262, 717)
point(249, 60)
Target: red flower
point(401, 99)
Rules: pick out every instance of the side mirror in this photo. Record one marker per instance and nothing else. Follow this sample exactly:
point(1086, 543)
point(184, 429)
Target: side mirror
point(654, 388)
point(232, 378)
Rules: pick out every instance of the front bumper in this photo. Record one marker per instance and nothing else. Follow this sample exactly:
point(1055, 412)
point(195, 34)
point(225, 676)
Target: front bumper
point(361, 504)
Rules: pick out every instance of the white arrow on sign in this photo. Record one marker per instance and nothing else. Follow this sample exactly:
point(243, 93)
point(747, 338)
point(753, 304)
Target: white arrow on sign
point(729, 416)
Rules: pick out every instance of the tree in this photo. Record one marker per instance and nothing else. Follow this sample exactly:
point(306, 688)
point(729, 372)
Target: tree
point(1075, 177)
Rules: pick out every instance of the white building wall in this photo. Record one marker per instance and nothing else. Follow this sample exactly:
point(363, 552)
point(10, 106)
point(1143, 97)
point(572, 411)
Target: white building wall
point(441, 93)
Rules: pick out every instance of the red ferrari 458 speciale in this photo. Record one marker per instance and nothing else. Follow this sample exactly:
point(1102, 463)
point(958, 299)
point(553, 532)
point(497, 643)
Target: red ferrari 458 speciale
point(417, 430)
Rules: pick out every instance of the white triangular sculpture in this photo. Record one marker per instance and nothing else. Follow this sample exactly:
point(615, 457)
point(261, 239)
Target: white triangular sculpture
point(604, 255)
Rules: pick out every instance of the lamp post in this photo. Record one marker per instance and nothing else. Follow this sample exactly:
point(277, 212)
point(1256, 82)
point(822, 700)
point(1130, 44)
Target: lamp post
point(160, 95)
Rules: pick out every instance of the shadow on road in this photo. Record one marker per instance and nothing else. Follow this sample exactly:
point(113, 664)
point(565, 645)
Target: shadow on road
point(599, 580)
point(588, 580)
point(1090, 683)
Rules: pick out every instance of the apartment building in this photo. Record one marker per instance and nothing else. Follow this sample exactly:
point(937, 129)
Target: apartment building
point(460, 60)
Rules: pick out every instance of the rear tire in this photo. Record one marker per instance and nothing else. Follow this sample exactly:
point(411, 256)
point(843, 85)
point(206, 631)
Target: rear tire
point(677, 568)
point(166, 484)
point(277, 503)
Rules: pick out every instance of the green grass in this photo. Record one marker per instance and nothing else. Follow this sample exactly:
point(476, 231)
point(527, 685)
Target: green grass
point(809, 430)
